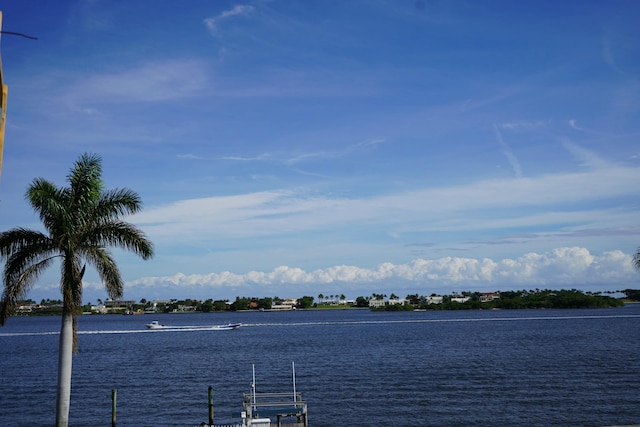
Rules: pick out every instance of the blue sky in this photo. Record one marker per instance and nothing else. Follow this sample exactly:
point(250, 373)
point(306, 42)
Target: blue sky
point(289, 148)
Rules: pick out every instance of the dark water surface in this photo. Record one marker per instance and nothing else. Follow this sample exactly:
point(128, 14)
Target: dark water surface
point(353, 367)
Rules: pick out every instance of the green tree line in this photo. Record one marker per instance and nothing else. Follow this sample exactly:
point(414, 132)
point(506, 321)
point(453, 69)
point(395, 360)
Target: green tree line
point(508, 300)
point(521, 300)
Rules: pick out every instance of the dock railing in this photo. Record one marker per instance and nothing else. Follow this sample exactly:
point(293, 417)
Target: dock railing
point(279, 405)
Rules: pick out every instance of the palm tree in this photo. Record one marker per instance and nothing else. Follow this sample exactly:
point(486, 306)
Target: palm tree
point(81, 221)
point(636, 259)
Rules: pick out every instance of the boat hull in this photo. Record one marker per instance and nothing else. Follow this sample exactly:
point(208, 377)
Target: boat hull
point(158, 326)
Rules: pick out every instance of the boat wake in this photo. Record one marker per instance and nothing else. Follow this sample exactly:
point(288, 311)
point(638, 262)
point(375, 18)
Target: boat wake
point(116, 331)
point(491, 319)
point(345, 322)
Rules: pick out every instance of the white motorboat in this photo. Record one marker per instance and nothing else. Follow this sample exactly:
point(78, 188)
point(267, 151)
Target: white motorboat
point(227, 327)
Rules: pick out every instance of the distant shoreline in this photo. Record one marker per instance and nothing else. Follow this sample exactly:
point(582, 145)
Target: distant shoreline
point(56, 313)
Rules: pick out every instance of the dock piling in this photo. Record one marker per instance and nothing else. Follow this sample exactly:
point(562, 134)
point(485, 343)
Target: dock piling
point(210, 405)
point(114, 397)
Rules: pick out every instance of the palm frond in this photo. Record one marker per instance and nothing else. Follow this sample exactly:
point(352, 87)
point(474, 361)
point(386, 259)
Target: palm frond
point(19, 238)
point(120, 234)
point(85, 179)
point(17, 285)
point(108, 270)
point(28, 253)
point(117, 203)
point(49, 202)
point(22, 261)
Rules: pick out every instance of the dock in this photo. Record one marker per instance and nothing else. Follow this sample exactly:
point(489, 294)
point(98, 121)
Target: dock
point(259, 409)
point(267, 409)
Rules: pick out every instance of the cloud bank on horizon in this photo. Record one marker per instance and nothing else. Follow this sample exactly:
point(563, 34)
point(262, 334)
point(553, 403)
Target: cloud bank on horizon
point(287, 148)
point(562, 268)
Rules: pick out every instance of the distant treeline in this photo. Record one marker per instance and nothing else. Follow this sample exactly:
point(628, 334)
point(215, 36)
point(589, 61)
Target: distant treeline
point(507, 300)
point(525, 299)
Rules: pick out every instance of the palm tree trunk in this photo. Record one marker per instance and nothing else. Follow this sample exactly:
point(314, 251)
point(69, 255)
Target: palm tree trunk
point(65, 354)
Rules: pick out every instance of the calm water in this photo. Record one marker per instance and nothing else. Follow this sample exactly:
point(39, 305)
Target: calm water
point(353, 367)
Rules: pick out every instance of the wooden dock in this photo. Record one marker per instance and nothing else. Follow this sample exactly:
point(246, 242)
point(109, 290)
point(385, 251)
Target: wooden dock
point(282, 406)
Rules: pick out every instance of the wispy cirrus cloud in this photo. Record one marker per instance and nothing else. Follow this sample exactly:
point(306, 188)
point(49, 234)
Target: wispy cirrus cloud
point(213, 22)
point(573, 124)
point(263, 156)
point(429, 209)
point(295, 158)
point(587, 158)
point(508, 152)
point(609, 57)
point(148, 83)
point(525, 125)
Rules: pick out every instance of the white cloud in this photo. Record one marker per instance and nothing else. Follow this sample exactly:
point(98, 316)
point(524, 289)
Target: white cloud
point(263, 156)
point(213, 22)
point(609, 57)
point(150, 82)
point(567, 267)
point(573, 124)
point(446, 208)
point(508, 152)
point(587, 158)
point(289, 158)
point(524, 125)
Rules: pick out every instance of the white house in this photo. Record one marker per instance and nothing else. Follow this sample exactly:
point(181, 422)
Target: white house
point(489, 296)
point(375, 303)
point(435, 299)
point(287, 304)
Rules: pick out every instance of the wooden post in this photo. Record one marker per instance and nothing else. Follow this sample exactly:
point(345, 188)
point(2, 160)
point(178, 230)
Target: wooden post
point(210, 406)
point(114, 397)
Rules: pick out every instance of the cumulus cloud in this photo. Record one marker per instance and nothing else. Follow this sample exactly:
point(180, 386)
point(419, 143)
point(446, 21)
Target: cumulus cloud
point(567, 267)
